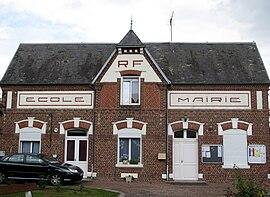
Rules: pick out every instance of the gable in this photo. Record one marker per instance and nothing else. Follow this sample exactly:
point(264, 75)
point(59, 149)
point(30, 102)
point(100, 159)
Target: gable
point(130, 63)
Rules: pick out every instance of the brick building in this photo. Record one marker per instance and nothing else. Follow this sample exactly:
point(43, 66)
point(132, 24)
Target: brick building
point(181, 111)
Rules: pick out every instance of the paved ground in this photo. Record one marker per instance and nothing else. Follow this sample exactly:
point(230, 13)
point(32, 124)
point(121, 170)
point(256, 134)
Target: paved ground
point(161, 188)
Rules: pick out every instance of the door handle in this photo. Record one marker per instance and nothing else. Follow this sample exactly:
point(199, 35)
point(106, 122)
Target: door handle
point(181, 161)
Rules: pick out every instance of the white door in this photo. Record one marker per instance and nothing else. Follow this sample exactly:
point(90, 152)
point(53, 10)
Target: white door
point(76, 152)
point(185, 157)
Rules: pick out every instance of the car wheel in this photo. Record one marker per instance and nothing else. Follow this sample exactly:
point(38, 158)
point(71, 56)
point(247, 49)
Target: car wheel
point(56, 179)
point(2, 177)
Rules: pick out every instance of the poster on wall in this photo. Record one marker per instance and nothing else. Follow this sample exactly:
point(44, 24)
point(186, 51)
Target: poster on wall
point(211, 153)
point(257, 154)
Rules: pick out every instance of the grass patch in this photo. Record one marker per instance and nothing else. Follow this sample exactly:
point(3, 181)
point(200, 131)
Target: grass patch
point(67, 191)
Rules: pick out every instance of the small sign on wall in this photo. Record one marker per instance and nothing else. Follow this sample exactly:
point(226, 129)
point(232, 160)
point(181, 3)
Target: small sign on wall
point(211, 153)
point(55, 99)
point(257, 154)
point(209, 100)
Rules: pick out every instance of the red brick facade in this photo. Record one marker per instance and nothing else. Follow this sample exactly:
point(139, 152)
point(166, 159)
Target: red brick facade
point(152, 119)
point(153, 112)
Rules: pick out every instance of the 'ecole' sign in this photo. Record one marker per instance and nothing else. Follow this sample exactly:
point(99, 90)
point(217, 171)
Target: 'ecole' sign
point(55, 99)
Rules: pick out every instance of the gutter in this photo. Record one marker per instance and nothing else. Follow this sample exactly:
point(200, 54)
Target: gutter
point(92, 86)
point(167, 132)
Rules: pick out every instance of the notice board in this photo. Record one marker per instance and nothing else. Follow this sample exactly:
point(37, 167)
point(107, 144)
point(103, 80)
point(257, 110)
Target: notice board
point(257, 154)
point(212, 153)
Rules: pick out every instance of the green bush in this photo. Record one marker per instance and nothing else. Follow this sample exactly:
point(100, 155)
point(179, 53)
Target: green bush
point(245, 187)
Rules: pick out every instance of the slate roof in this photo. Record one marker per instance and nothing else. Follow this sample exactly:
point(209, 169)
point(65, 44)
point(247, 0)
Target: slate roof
point(181, 63)
point(56, 63)
point(130, 40)
point(210, 63)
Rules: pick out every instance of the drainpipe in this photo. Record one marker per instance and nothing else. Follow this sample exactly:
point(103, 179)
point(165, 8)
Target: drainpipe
point(92, 86)
point(167, 132)
point(51, 124)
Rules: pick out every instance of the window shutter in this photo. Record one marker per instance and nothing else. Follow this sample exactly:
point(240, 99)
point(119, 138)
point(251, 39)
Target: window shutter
point(235, 148)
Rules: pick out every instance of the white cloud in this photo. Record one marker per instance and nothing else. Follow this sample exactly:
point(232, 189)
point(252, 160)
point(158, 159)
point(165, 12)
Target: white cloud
point(4, 32)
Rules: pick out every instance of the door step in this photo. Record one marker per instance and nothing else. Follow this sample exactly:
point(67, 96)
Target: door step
point(174, 182)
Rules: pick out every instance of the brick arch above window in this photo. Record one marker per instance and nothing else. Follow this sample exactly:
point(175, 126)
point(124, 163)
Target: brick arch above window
point(76, 123)
point(186, 124)
point(30, 122)
point(234, 123)
point(130, 73)
point(129, 123)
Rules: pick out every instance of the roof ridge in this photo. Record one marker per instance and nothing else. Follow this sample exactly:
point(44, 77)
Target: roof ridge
point(130, 40)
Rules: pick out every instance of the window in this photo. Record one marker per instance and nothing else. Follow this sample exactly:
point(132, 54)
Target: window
point(30, 147)
point(130, 150)
point(77, 132)
point(130, 91)
point(185, 134)
point(30, 139)
point(129, 145)
point(16, 158)
point(30, 159)
point(235, 148)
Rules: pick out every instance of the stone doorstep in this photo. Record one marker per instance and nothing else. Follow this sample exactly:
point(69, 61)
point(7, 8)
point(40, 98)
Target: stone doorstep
point(175, 182)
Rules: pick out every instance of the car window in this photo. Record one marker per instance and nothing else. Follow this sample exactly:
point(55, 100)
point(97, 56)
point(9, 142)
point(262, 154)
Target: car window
point(5, 158)
point(31, 159)
point(16, 158)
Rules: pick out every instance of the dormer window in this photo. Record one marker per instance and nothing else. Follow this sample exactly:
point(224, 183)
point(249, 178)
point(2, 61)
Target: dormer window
point(130, 91)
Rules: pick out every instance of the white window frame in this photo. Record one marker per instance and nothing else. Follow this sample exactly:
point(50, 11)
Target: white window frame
point(31, 145)
point(131, 78)
point(29, 134)
point(129, 133)
point(235, 155)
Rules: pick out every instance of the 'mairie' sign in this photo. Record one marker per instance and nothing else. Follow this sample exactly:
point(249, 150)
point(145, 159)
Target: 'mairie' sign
point(209, 100)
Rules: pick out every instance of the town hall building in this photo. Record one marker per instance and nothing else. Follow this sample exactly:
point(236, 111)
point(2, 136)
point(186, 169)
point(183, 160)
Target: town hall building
point(171, 111)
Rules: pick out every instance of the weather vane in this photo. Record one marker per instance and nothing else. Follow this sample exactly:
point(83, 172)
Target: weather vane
point(131, 23)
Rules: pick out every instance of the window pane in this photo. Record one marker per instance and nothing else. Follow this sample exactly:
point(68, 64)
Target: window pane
point(123, 147)
point(135, 151)
point(76, 132)
point(70, 150)
point(35, 147)
point(33, 159)
point(126, 92)
point(82, 150)
point(179, 134)
point(191, 134)
point(16, 159)
point(25, 147)
point(135, 91)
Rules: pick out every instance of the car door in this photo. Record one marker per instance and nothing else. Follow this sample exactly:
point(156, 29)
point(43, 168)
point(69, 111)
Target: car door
point(15, 166)
point(36, 167)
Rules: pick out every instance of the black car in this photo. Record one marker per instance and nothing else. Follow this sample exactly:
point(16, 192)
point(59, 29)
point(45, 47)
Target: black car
point(26, 166)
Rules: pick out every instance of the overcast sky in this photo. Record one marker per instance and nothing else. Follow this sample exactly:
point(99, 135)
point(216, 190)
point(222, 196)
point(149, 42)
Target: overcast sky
point(64, 21)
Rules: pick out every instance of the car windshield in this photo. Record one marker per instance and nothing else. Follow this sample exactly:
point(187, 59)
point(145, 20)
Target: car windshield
point(50, 159)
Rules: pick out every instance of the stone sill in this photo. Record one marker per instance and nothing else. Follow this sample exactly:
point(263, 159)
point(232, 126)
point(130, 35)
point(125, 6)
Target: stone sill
point(129, 165)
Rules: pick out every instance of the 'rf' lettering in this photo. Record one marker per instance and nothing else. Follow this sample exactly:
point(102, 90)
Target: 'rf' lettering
point(124, 63)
